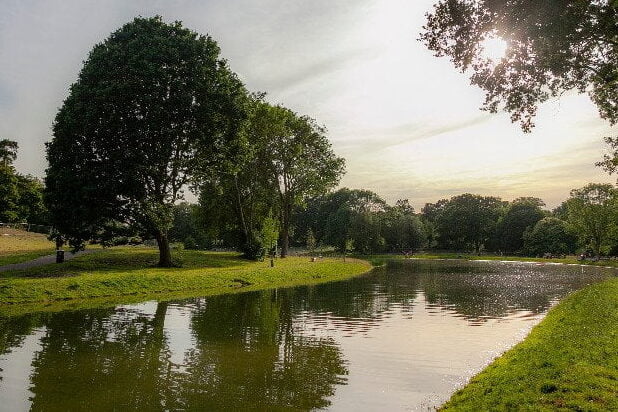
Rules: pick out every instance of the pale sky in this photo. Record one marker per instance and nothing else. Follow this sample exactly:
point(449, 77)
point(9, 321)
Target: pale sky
point(407, 123)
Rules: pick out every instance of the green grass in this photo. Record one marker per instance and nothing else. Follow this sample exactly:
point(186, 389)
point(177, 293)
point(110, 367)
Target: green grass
point(568, 362)
point(381, 259)
point(19, 246)
point(121, 272)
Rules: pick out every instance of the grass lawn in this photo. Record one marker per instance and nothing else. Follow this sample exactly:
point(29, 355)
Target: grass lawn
point(568, 362)
point(19, 246)
point(131, 272)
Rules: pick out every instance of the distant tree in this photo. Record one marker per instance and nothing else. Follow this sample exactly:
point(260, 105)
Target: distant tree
point(402, 230)
point(30, 206)
point(431, 211)
point(310, 243)
point(297, 157)
point(549, 235)
point(561, 211)
point(8, 193)
point(8, 151)
point(153, 106)
point(553, 46)
point(592, 212)
point(8, 181)
point(330, 216)
point(520, 214)
point(188, 228)
point(365, 233)
point(468, 221)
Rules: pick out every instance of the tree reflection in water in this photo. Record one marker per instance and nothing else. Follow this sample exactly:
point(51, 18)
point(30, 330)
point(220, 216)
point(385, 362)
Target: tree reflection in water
point(260, 350)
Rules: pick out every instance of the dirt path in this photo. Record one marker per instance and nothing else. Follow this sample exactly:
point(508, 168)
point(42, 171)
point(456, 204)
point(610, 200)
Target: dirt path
point(43, 260)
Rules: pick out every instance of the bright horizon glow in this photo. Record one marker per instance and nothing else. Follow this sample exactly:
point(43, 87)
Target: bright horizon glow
point(407, 123)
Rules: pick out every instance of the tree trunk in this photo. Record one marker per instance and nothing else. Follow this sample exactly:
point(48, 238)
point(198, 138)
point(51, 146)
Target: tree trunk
point(165, 255)
point(285, 230)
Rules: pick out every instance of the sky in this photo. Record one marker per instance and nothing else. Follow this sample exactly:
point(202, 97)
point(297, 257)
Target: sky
point(407, 123)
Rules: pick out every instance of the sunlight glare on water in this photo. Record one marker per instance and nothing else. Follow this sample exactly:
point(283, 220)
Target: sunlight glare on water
point(402, 337)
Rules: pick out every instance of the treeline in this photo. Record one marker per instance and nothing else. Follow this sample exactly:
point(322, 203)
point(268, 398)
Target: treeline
point(361, 221)
point(134, 134)
point(21, 196)
point(247, 210)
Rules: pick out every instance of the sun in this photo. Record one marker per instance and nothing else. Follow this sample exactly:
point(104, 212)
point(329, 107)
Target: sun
point(494, 48)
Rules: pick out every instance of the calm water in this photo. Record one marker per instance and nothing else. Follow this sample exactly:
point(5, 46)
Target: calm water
point(403, 337)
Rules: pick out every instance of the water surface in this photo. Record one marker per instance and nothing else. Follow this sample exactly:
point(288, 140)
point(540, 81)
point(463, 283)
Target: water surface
point(403, 337)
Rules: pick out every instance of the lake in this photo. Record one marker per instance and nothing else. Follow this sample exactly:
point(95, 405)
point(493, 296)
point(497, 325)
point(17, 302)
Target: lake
point(402, 337)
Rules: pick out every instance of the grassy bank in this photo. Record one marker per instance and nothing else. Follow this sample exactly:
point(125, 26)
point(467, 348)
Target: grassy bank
point(131, 272)
point(568, 362)
point(380, 259)
point(19, 246)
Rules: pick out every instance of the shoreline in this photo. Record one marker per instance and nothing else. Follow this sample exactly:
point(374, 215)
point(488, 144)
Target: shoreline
point(81, 283)
point(568, 360)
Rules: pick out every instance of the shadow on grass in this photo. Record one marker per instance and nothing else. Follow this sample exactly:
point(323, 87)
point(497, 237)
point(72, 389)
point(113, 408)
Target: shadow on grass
point(127, 260)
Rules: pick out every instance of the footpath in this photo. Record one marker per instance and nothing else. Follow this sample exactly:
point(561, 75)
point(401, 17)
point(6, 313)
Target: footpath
point(43, 260)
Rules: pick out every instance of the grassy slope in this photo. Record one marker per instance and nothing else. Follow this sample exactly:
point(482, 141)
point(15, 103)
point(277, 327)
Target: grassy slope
point(131, 272)
point(19, 246)
point(568, 362)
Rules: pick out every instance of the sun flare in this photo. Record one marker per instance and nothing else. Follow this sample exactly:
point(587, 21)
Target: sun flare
point(494, 48)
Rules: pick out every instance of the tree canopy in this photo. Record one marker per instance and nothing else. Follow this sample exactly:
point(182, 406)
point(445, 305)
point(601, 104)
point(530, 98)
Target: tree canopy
point(296, 157)
point(468, 221)
point(21, 196)
point(549, 235)
point(592, 212)
point(553, 46)
point(520, 214)
point(153, 105)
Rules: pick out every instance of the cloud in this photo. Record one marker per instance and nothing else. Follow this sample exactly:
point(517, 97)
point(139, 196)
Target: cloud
point(302, 76)
point(380, 139)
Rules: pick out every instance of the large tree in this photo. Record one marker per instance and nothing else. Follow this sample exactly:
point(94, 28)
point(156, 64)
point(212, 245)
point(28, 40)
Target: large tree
point(553, 46)
point(520, 214)
point(592, 212)
point(468, 221)
point(549, 235)
point(296, 158)
point(153, 105)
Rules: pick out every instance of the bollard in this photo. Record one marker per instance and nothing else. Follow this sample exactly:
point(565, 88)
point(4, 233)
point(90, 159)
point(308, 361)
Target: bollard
point(59, 256)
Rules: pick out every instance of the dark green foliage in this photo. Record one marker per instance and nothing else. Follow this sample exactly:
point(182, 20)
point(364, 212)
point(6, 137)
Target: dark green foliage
point(188, 227)
point(8, 193)
point(361, 221)
point(296, 158)
point(8, 151)
point(21, 196)
point(402, 229)
point(365, 233)
point(330, 217)
point(30, 206)
point(287, 160)
point(549, 235)
point(553, 46)
point(8, 181)
point(561, 212)
point(153, 106)
point(520, 214)
point(468, 221)
point(592, 213)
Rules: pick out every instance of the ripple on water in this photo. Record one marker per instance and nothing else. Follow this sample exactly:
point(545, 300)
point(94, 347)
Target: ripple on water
point(401, 338)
